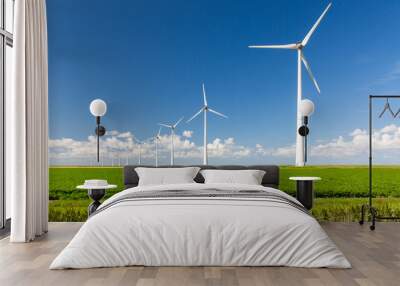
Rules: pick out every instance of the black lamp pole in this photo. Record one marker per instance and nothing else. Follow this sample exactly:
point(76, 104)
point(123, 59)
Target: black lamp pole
point(98, 138)
point(100, 131)
point(303, 131)
point(98, 108)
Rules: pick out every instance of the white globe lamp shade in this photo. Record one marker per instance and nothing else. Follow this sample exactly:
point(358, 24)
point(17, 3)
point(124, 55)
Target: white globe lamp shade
point(98, 107)
point(306, 107)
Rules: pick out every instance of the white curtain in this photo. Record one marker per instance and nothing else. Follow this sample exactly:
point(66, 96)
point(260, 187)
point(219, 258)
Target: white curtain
point(27, 151)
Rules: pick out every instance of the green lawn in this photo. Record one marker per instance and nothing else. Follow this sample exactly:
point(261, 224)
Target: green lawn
point(340, 193)
point(345, 181)
point(63, 181)
point(325, 209)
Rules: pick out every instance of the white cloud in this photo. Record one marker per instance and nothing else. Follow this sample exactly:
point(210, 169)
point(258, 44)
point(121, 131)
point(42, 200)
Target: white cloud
point(285, 151)
point(226, 148)
point(343, 147)
point(187, 133)
point(125, 135)
point(112, 133)
point(122, 145)
point(384, 139)
point(261, 150)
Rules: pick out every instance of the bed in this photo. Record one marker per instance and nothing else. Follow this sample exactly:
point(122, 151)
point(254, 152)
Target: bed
point(197, 224)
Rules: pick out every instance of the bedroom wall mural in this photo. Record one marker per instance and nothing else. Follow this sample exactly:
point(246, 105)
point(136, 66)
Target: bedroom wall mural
point(153, 71)
point(148, 62)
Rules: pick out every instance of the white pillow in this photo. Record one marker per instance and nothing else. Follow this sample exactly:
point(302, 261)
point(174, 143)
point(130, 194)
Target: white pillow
point(248, 177)
point(166, 176)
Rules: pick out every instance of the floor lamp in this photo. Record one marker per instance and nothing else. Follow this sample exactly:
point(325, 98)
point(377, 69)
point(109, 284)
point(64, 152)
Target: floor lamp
point(98, 108)
point(306, 109)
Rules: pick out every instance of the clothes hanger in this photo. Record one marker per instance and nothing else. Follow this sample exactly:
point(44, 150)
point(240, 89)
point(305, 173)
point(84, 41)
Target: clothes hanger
point(397, 113)
point(387, 107)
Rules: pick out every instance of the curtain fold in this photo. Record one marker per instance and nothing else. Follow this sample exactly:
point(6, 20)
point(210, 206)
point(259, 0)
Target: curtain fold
point(28, 123)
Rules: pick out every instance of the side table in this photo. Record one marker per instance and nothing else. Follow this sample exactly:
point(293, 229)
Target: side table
point(305, 190)
point(96, 193)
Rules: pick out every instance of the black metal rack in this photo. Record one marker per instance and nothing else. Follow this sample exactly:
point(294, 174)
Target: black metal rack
point(369, 207)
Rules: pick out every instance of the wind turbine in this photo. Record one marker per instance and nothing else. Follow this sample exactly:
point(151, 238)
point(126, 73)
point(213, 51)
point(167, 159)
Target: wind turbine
point(156, 140)
point(172, 127)
point(300, 58)
point(205, 109)
point(140, 150)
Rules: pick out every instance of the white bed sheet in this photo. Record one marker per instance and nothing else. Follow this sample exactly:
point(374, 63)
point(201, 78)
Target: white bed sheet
point(202, 232)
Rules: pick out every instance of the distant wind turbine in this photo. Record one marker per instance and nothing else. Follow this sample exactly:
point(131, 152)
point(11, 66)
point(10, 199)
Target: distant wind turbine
point(156, 141)
point(172, 127)
point(140, 150)
point(300, 58)
point(205, 109)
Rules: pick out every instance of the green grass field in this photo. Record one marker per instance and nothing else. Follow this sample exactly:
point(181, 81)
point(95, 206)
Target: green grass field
point(339, 195)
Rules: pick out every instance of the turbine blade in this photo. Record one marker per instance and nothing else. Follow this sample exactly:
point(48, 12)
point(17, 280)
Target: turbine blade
point(204, 96)
point(310, 73)
point(288, 46)
point(194, 116)
point(176, 124)
point(137, 140)
point(309, 34)
point(165, 125)
point(159, 131)
point(217, 113)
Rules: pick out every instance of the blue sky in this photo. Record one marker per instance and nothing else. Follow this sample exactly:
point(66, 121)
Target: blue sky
point(147, 60)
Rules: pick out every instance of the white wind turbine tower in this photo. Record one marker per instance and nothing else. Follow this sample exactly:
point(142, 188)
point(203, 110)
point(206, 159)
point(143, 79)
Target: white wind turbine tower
point(172, 127)
point(300, 58)
point(156, 141)
point(205, 109)
point(140, 150)
point(140, 153)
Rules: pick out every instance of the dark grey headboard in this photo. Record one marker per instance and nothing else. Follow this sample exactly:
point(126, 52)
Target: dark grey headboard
point(271, 177)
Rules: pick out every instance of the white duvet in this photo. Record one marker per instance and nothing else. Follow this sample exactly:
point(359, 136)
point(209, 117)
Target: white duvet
point(200, 231)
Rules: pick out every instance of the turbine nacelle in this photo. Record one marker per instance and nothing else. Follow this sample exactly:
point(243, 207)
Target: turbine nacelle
point(158, 137)
point(173, 126)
